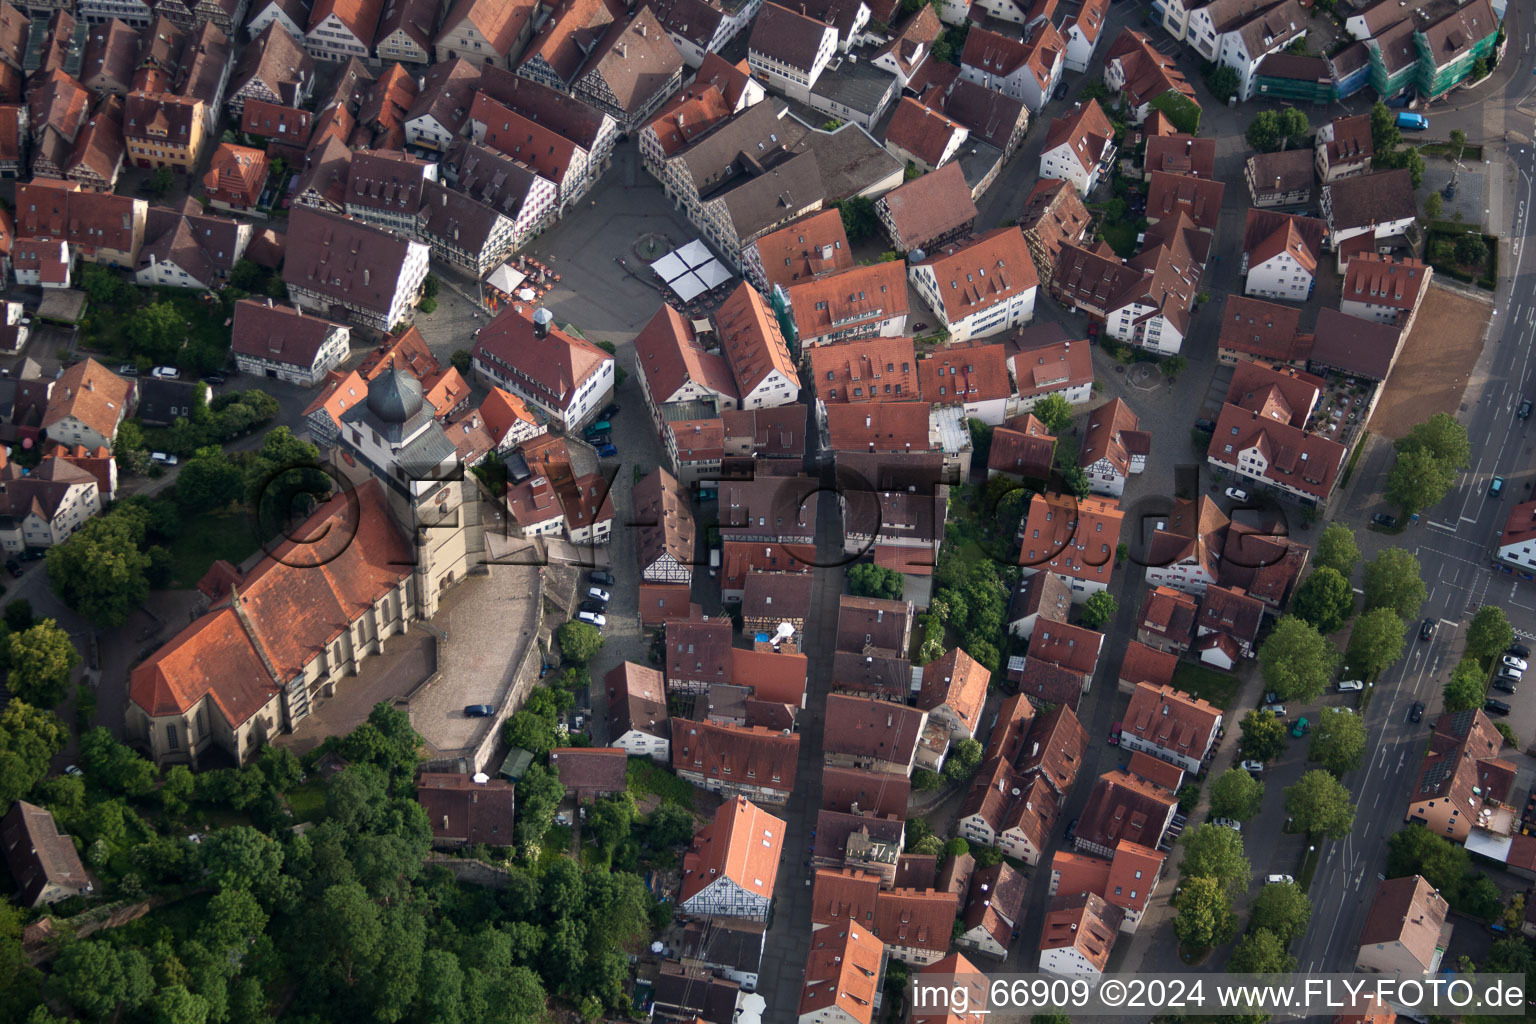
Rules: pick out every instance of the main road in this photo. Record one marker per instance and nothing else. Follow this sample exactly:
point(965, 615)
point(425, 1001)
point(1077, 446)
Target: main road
point(1453, 541)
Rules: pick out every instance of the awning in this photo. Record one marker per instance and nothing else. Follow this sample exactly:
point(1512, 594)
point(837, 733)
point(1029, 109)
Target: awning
point(688, 286)
point(694, 254)
point(669, 267)
point(713, 274)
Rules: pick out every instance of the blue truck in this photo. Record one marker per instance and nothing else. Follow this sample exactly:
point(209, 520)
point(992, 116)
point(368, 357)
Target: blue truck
point(1412, 122)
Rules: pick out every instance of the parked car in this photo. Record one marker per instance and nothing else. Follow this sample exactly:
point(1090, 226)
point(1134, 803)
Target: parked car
point(602, 576)
point(479, 711)
point(1278, 710)
point(165, 373)
point(1427, 629)
point(1271, 698)
point(1525, 409)
point(1301, 728)
point(1506, 684)
point(127, 370)
point(600, 427)
point(1382, 519)
point(1071, 830)
point(163, 458)
point(1495, 487)
point(71, 769)
point(598, 440)
point(1416, 711)
point(1519, 650)
point(1518, 664)
point(1495, 707)
point(1114, 735)
point(13, 567)
point(600, 594)
point(1227, 823)
point(1278, 880)
point(214, 379)
point(1351, 686)
point(590, 605)
point(609, 411)
point(606, 451)
point(1237, 494)
point(593, 619)
point(1253, 767)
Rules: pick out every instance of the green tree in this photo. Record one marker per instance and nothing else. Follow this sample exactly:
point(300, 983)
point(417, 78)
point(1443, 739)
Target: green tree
point(1467, 686)
point(1325, 600)
point(539, 795)
point(1489, 632)
point(1099, 610)
point(1205, 916)
point(42, 660)
point(1074, 481)
point(1263, 736)
point(95, 979)
point(157, 332)
point(430, 286)
point(176, 791)
point(1054, 412)
point(1223, 82)
point(1320, 805)
point(668, 826)
point(1337, 550)
point(163, 181)
point(1283, 909)
point(284, 481)
point(1293, 126)
point(1392, 580)
point(1418, 481)
point(1260, 952)
point(1385, 135)
point(963, 760)
point(1415, 850)
point(463, 360)
point(859, 218)
point(241, 857)
point(29, 738)
point(609, 820)
point(208, 481)
point(100, 571)
point(870, 580)
point(1434, 206)
point(957, 847)
point(1338, 740)
point(578, 641)
point(1375, 643)
point(1479, 68)
point(1236, 794)
point(1264, 131)
point(533, 732)
point(1479, 897)
point(1297, 661)
point(1471, 250)
point(115, 767)
point(1217, 852)
point(1443, 437)
point(18, 615)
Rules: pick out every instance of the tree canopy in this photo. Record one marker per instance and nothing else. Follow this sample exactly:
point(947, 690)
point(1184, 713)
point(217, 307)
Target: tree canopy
point(870, 580)
point(1283, 909)
point(1320, 805)
point(1325, 599)
point(1489, 633)
point(1392, 580)
point(1375, 643)
point(1099, 610)
point(1205, 916)
point(100, 571)
point(1054, 412)
point(1263, 736)
point(1217, 852)
point(1418, 481)
point(42, 659)
point(1260, 951)
point(1236, 794)
point(1296, 660)
point(1338, 740)
point(579, 642)
point(1466, 687)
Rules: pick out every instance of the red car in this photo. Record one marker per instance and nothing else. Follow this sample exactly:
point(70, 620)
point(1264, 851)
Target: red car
point(1093, 332)
point(1114, 735)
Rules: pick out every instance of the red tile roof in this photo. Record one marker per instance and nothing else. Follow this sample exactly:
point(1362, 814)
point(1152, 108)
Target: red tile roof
point(1067, 646)
point(92, 394)
point(742, 844)
point(1409, 911)
point(1086, 131)
point(864, 727)
point(982, 271)
point(1143, 664)
point(1149, 73)
point(1090, 925)
point(1124, 807)
point(293, 604)
point(1307, 462)
point(753, 343)
point(1184, 154)
point(883, 427)
point(776, 677)
point(924, 133)
point(1385, 281)
point(745, 755)
point(958, 681)
point(1054, 367)
point(804, 249)
point(1200, 198)
point(881, 369)
point(858, 295)
point(462, 810)
point(590, 771)
point(844, 896)
point(855, 791)
point(556, 365)
point(1022, 447)
point(1266, 330)
point(1071, 537)
point(1171, 719)
point(916, 918)
point(842, 971)
point(933, 205)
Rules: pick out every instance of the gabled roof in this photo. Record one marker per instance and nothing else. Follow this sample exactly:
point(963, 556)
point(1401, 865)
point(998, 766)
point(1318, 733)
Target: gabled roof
point(499, 22)
point(923, 132)
point(868, 728)
point(863, 293)
point(929, 206)
point(447, 91)
point(1369, 200)
point(1285, 396)
point(557, 365)
point(1114, 433)
point(976, 274)
point(1385, 281)
point(90, 393)
point(1072, 537)
point(1085, 923)
point(1149, 73)
point(783, 595)
point(293, 604)
point(916, 918)
point(590, 769)
point(1228, 610)
point(881, 427)
point(1022, 447)
point(283, 334)
point(996, 901)
point(1459, 31)
point(787, 36)
point(1410, 911)
point(750, 755)
point(699, 649)
point(1064, 645)
point(1183, 154)
point(1086, 131)
point(884, 622)
point(1194, 531)
point(572, 32)
point(1122, 806)
point(842, 972)
point(1170, 614)
point(463, 809)
point(959, 682)
point(670, 355)
point(361, 17)
point(1143, 664)
point(345, 259)
point(637, 700)
point(912, 44)
point(844, 896)
point(1267, 330)
point(1351, 142)
point(635, 60)
point(772, 433)
point(1199, 197)
point(742, 844)
point(1276, 174)
point(1307, 462)
point(970, 372)
point(1171, 719)
point(750, 336)
point(806, 248)
point(856, 791)
point(38, 854)
point(276, 60)
point(1267, 234)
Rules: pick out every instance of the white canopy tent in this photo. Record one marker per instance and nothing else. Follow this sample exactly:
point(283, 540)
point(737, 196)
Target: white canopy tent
point(669, 267)
point(688, 287)
point(713, 274)
point(694, 254)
